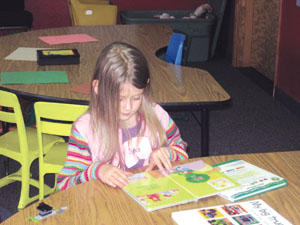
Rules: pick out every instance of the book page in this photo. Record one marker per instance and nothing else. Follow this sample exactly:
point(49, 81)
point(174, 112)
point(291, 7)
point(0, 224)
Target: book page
point(251, 212)
point(188, 182)
point(201, 180)
point(253, 180)
point(153, 190)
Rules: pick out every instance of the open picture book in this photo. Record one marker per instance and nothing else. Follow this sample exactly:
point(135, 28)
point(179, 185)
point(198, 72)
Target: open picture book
point(188, 182)
point(254, 180)
point(241, 213)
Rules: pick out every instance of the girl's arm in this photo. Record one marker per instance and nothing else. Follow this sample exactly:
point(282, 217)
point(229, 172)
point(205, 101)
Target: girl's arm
point(78, 167)
point(173, 152)
point(176, 146)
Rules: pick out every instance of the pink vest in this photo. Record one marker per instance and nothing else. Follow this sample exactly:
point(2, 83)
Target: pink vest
point(145, 149)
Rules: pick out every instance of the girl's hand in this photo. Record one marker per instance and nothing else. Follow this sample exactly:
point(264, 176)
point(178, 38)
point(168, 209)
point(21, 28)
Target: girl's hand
point(114, 176)
point(160, 158)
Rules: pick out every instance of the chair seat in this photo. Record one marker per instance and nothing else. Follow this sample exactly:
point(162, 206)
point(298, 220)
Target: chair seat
point(57, 155)
point(10, 143)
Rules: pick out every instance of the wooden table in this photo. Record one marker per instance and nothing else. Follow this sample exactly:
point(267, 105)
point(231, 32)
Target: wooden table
point(174, 87)
point(96, 203)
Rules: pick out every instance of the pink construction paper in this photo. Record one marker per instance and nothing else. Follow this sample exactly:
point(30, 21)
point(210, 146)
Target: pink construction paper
point(82, 88)
point(66, 39)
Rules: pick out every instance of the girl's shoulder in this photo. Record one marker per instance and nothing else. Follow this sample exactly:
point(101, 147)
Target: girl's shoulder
point(159, 110)
point(83, 122)
point(84, 118)
point(162, 115)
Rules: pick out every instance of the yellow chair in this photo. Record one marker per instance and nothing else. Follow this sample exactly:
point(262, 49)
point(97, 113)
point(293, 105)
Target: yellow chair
point(55, 119)
point(92, 12)
point(21, 145)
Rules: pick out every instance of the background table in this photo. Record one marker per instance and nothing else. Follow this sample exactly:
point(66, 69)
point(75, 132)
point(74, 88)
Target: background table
point(96, 203)
point(174, 87)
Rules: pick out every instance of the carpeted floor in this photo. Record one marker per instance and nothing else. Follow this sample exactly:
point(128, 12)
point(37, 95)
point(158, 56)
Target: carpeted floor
point(254, 122)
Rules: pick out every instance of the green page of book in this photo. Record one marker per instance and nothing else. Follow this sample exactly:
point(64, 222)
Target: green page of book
point(35, 77)
point(187, 182)
point(202, 182)
point(254, 180)
point(154, 191)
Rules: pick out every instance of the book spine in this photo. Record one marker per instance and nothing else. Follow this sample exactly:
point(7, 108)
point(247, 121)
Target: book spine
point(255, 191)
point(226, 162)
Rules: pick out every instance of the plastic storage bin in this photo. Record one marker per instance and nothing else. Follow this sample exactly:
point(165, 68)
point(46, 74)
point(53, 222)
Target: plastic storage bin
point(202, 34)
point(198, 31)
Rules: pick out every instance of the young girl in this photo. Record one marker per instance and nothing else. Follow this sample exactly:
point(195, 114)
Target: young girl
point(123, 129)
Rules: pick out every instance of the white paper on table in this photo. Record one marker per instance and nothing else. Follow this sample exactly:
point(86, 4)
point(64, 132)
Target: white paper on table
point(24, 54)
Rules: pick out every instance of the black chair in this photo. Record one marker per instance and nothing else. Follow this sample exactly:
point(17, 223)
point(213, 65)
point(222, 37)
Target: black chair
point(14, 17)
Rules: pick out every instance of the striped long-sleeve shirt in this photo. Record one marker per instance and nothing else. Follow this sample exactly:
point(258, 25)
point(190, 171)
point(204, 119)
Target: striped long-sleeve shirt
point(84, 156)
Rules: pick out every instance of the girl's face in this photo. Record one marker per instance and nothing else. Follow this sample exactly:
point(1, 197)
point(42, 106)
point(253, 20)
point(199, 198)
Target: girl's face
point(130, 102)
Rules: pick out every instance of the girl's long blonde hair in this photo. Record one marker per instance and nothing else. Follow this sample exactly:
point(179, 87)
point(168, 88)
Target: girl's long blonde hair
point(118, 63)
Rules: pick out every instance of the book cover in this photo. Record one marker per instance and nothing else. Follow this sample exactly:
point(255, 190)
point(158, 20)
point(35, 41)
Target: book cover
point(188, 182)
point(253, 180)
point(250, 212)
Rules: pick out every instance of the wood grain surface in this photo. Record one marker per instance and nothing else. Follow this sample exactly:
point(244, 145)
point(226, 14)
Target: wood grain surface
point(171, 84)
point(96, 203)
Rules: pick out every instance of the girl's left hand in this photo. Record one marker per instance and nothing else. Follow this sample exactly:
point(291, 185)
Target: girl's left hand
point(160, 158)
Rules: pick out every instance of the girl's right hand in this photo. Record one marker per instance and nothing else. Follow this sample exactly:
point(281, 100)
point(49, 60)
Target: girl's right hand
point(114, 176)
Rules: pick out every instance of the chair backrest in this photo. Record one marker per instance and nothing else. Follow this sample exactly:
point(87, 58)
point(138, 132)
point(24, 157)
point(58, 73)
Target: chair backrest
point(12, 5)
point(14, 115)
point(92, 12)
point(219, 7)
point(175, 47)
point(14, 18)
point(56, 118)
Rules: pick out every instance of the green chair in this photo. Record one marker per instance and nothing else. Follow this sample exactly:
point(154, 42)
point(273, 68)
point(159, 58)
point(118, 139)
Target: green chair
point(55, 119)
point(21, 145)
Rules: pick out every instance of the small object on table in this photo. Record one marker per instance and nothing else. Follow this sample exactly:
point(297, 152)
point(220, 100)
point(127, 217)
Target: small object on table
point(46, 211)
point(58, 57)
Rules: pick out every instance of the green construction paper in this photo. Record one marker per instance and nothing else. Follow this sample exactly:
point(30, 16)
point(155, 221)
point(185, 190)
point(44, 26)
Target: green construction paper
point(36, 77)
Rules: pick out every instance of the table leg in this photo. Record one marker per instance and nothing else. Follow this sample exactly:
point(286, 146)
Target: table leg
point(204, 132)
